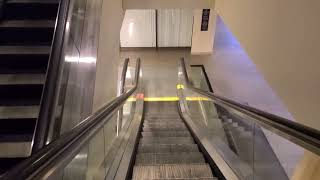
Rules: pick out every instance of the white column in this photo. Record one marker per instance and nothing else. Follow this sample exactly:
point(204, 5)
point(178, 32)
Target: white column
point(202, 41)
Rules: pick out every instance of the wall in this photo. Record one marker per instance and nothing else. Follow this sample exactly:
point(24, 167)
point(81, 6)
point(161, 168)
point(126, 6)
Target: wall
point(282, 38)
point(167, 4)
point(139, 28)
point(202, 41)
point(108, 52)
point(233, 75)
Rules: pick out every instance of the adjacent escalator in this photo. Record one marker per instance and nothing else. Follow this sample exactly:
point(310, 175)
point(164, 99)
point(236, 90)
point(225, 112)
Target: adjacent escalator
point(166, 148)
point(26, 32)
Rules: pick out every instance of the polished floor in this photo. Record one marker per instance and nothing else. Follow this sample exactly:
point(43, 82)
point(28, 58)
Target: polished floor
point(159, 69)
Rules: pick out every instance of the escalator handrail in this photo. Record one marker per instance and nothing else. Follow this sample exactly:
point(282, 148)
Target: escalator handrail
point(49, 96)
point(307, 137)
point(61, 148)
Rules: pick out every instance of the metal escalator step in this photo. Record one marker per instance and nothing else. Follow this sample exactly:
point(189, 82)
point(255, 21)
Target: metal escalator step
point(6, 79)
point(166, 140)
point(10, 95)
point(34, 1)
point(173, 171)
point(31, 9)
point(156, 117)
point(178, 128)
point(169, 158)
point(163, 121)
point(24, 50)
point(15, 149)
point(166, 134)
point(8, 163)
point(167, 148)
point(164, 125)
point(27, 24)
point(8, 112)
point(26, 36)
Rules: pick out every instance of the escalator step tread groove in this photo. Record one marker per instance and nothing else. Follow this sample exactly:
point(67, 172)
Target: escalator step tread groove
point(173, 171)
point(163, 148)
point(166, 148)
point(169, 158)
point(166, 134)
point(26, 33)
point(166, 140)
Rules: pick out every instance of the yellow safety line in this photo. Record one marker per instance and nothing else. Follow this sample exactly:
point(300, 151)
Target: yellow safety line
point(170, 98)
point(197, 99)
point(151, 99)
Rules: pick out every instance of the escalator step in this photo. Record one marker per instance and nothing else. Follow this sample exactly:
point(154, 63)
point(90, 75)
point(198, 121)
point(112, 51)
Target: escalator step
point(169, 158)
point(26, 50)
point(26, 36)
point(164, 117)
point(14, 149)
point(15, 112)
point(166, 140)
point(31, 9)
point(15, 79)
point(166, 134)
point(163, 121)
point(167, 148)
point(20, 95)
point(7, 163)
point(24, 59)
point(164, 125)
point(18, 126)
point(178, 128)
point(173, 171)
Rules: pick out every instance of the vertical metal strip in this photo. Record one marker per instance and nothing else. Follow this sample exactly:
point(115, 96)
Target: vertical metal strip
point(157, 29)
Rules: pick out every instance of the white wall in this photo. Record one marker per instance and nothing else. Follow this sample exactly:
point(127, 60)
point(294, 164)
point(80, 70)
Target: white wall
point(282, 39)
point(202, 41)
point(139, 28)
point(175, 27)
point(167, 4)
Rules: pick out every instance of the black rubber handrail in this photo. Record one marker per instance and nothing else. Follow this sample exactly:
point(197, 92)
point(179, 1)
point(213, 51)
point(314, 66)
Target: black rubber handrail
point(50, 92)
point(49, 157)
point(307, 137)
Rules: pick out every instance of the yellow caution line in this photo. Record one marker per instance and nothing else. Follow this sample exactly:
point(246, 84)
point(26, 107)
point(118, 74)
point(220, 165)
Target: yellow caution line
point(132, 99)
point(151, 99)
point(197, 99)
point(173, 98)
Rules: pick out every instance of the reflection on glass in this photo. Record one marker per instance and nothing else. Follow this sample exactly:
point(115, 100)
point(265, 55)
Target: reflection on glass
point(96, 157)
point(251, 150)
point(199, 78)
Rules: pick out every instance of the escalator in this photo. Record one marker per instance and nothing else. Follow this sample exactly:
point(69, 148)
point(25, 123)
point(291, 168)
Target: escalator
point(166, 148)
point(26, 33)
point(196, 137)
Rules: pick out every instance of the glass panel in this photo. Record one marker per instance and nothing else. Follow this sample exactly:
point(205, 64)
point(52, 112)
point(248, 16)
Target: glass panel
point(199, 78)
point(79, 67)
point(95, 159)
point(233, 135)
point(274, 156)
point(77, 168)
point(250, 149)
